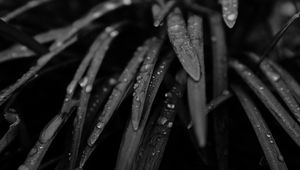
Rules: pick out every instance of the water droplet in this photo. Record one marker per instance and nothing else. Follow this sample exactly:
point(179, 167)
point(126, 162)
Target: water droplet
point(168, 94)
point(88, 88)
point(146, 67)
point(135, 86)
point(170, 124)
point(162, 120)
point(100, 125)
point(112, 81)
point(33, 151)
point(71, 87)
point(83, 82)
point(225, 92)
point(231, 17)
point(280, 158)
point(171, 106)
point(114, 33)
point(127, 2)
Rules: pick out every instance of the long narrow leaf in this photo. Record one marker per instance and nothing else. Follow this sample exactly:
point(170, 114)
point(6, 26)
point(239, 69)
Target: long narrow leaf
point(132, 137)
point(115, 98)
point(196, 89)
point(142, 84)
point(182, 44)
point(269, 100)
point(264, 135)
point(153, 147)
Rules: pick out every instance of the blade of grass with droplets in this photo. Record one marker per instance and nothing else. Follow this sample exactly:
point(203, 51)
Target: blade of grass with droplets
point(22, 38)
point(142, 83)
point(115, 98)
point(160, 12)
point(29, 5)
point(287, 78)
point(100, 94)
point(153, 147)
point(9, 136)
point(132, 137)
point(50, 131)
point(268, 99)
point(196, 89)
point(6, 93)
point(182, 44)
point(105, 40)
point(229, 11)
point(280, 86)
point(264, 135)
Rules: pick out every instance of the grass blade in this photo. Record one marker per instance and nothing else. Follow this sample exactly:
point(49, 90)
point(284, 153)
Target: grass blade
point(219, 62)
point(29, 5)
point(6, 93)
point(153, 146)
point(9, 136)
point(280, 86)
point(142, 83)
point(182, 44)
point(264, 135)
point(22, 38)
point(115, 99)
point(87, 83)
point(95, 13)
point(278, 36)
point(269, 100)
point(132, 137)
point(218, 101)
point(196, 89)
point(230, 11)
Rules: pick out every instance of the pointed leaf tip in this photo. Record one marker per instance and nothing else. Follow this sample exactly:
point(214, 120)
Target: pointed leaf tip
point(230, 12)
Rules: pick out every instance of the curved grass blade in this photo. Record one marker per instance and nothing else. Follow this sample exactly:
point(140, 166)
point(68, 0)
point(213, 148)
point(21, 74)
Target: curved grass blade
point(182, 44)
point(29, 5)
point(278, 36)
point(161, 12)
point(9, 136)
point(95, 13)
point(218, 101)
point(97, 99)
point(287, 78)
point(48, 134)
point(21, 51)
point(6, 93)
point(142, 83)
point(87, 83)
point(280, 86)
point(196, 89)
point(269, 100)
point(229, 11)
point(22, 38)
point(264, 135)
point(153, 146)
point(115, 98)
point(132, 137)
